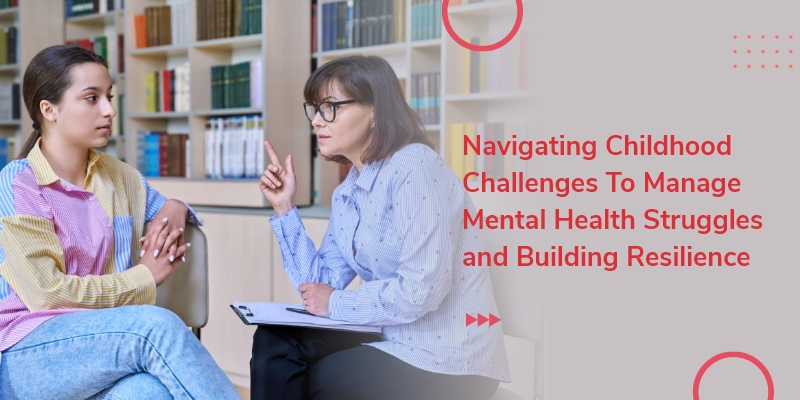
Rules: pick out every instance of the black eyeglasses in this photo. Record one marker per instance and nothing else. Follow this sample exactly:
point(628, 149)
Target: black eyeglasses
point(327, 110)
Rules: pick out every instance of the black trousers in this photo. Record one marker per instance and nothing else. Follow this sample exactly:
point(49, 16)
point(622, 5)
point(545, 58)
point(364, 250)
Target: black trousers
point(302, 363)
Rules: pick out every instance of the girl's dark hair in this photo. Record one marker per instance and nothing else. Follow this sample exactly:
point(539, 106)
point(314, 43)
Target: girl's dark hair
point(371, 81)
point(47, 78)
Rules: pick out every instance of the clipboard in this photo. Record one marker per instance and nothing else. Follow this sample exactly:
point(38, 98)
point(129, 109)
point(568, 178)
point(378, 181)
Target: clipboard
point(269, 313)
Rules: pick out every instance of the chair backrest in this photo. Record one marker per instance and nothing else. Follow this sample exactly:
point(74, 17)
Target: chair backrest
point(185, 292)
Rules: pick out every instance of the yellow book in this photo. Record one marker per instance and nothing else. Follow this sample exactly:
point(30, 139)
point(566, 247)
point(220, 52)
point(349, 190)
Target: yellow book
point(465, 72)
point(457, 149)
point(508, 160)
point(470, 160)
point(150, 92)
point(484, 66)
point(514, 64)
point(115, 121)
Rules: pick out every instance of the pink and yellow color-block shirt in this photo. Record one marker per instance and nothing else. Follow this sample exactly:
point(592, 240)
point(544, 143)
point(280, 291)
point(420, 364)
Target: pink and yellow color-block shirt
point(68, 249)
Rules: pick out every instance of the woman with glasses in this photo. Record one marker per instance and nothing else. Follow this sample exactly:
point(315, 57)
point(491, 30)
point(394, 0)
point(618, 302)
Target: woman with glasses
point(396, 221)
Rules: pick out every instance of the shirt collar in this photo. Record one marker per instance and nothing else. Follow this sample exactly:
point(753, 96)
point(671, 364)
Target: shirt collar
point(42, 170)
point(363, 179)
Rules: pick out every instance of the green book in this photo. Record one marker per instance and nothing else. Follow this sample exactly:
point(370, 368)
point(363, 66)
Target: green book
point(101, 47)
point(227, 95)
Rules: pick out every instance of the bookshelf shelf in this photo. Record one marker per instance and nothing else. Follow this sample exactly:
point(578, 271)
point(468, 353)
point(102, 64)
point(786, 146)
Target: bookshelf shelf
point(489, 96)
point(160, 115)
point(430, 43)
point(384, 50)
point(9, 68)
point(9, 14)
point(161, 51)
point(10, 122)
point(236, 42)
point(94, 19)
point(221, 112)
point(488, 9)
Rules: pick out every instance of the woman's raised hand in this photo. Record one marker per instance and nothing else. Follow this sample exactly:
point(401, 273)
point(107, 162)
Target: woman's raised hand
point(278, 183)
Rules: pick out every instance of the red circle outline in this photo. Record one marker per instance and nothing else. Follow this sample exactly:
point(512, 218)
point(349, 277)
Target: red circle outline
point(733, 354)
point(474, 47)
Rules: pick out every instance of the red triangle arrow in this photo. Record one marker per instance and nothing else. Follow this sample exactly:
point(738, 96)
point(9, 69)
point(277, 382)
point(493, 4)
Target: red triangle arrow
point(470, 319)
point(481, 320)
point(493, 320)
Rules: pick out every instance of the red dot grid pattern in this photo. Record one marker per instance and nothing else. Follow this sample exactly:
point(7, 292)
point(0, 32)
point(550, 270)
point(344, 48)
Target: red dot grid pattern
point(777, 51)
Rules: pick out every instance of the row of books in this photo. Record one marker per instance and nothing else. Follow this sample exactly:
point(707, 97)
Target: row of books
point(105, 48)
point(495, 166)
point(503, 69)
point(426, 19)
point(162, 25)
point(237, 85)
point(76, 8)
point(9, 101)
point(425, 96)
point(8, 45)
point(234, 147)
point(167, 90)
point(228, 18)
point(357, 23)
point(8, 3)
point(162, 154)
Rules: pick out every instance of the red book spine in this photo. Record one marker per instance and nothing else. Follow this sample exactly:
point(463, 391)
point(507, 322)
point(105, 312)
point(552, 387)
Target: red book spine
point(165, 86)
point(163, 155)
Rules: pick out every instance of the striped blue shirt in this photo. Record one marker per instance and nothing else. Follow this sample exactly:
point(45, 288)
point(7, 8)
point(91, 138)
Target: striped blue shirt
point(398, 224)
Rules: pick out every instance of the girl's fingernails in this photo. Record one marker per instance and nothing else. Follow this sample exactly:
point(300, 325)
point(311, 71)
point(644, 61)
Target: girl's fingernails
point(183, 258)
point(141, 254)
point(180, 229)
point(141, 240)
point(171, 258)
point(164, 220)
point(188, 245)
point(155, 254)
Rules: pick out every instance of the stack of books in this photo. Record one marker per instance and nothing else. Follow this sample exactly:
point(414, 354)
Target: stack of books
point(358, 23)
point(426, 19)
point(425, 96)
point(162, 154)
point(104, 47)
point(234, 147)
point(76, 8)
point(167, 90)
point(162, 25)
point(9, 101)
point(503, 69)
point(495, 166)
point(237, 86)
point(228, 18)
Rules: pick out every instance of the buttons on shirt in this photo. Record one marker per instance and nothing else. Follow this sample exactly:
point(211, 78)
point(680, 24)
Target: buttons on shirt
point(91, 198)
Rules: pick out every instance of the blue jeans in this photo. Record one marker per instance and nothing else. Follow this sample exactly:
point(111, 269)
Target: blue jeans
point(141, 352)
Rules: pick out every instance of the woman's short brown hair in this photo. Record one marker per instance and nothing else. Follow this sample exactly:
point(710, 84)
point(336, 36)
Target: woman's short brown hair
point(371, 81)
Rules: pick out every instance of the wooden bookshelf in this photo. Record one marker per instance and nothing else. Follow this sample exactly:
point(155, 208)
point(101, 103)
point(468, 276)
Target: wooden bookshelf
point(431, 55)
point(281, 47)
